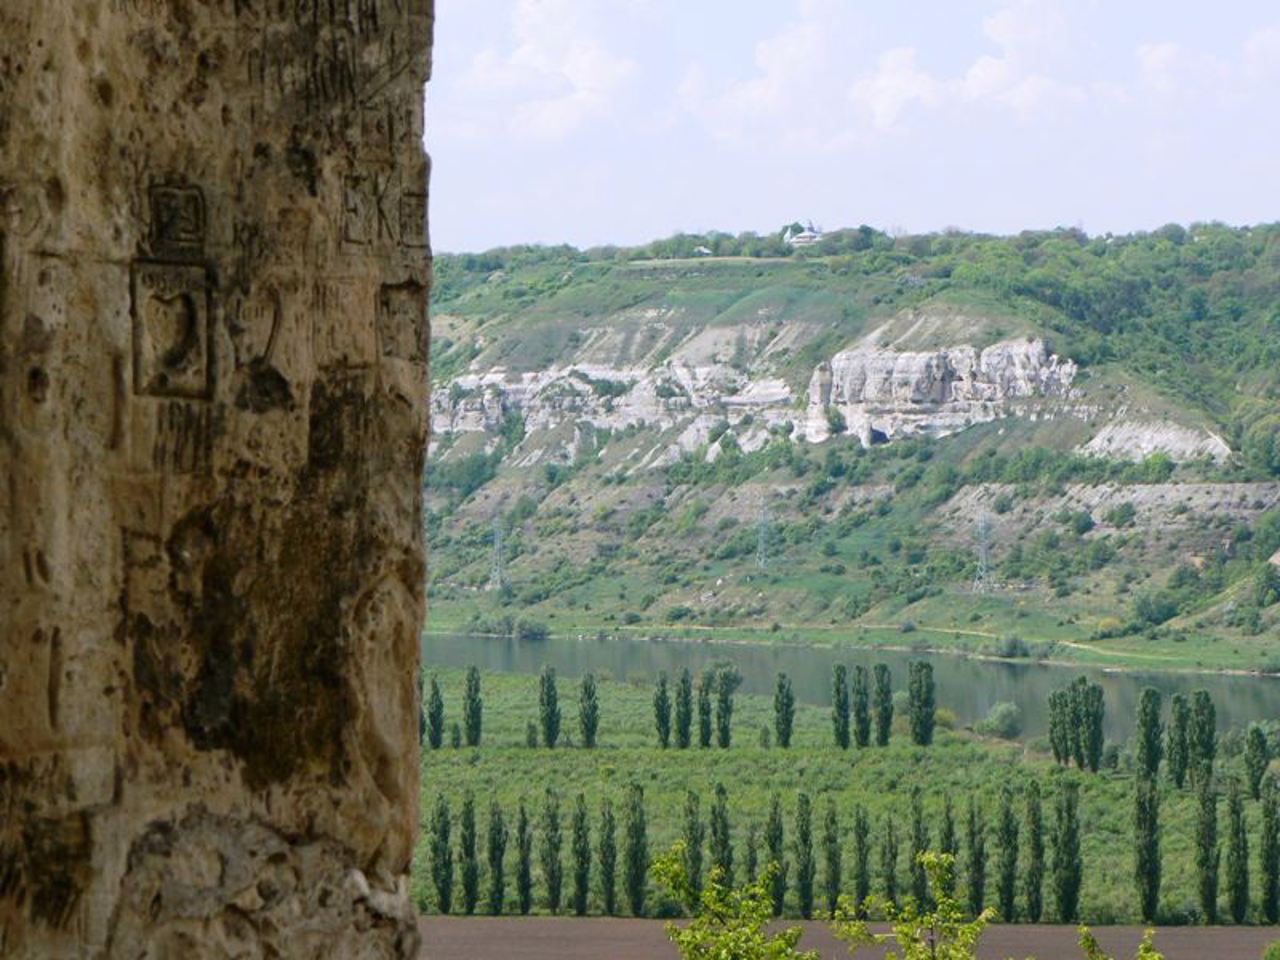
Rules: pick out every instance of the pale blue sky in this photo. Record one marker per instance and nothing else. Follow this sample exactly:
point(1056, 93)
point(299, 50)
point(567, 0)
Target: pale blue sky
point(619, 121)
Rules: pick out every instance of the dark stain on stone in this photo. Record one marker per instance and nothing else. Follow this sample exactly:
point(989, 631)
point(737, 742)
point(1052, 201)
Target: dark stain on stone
point(264, 389)
point(302, 163)
point(37, 384)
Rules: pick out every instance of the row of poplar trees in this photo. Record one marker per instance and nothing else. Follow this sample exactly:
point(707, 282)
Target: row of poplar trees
point(858, 709)
point(545, 731)
point(1022, 855)
point(1187, 746)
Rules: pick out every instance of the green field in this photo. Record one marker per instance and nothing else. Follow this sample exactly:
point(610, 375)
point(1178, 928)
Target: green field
point(958, 765)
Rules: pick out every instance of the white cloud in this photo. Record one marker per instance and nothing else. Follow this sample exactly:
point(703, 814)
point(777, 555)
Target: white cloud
point(558, 71)
point(897, 83)
point(1159, 65)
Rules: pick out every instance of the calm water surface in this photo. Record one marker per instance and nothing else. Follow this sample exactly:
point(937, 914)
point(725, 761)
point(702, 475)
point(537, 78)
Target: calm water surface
point(967, 686)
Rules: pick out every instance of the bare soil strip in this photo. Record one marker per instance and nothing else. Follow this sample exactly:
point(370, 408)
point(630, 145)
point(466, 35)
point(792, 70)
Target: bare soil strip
point(564, 938)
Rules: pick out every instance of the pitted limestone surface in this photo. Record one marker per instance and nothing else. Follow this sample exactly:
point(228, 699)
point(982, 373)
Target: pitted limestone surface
point(214, 272)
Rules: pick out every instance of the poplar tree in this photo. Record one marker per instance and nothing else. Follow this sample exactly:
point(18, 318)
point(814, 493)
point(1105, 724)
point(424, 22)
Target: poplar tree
point(751, 856)
point(472, 708)
point(1269, 852)
point(775, 850)
point(636, 852)
point(497, 852)
point(883, 704)
point(721, 845)
point(832, 873)
point(468, 861)
point(1202, 737)
point(692, 836)
point(1237, 856)
point(588, 710)
point(1146, 836)
point(1091, 732)
point(919, 844)
point(524, 860)
point(784, 711)
point(1177, 739)
point(435, 715)
point(1007, 861)
point(548, 707)
point(662, 711)
point(806, 868)
point(581, 852)
point(860, 704)
point(455, 735)
point(1256, 758)
point(1033, 880)
point(1067, 866)
point(976, 845)
point(840, 706)
point(1207, 853)
point(442, 855)
point(607, 859)
point(861, 858)
point(921, 696)
point(727, 680)
point(1150, 740)
point(889, 861)
point(549, 850)
point(705, 683)
point(684, 710)
point(1059, 727)
point(948, 844)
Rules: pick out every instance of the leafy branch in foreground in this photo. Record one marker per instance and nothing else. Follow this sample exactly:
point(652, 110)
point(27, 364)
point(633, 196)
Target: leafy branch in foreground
point(728, 922)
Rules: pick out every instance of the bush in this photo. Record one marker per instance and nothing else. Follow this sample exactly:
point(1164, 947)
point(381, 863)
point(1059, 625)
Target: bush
point(1004, 720)
point(1271, 951)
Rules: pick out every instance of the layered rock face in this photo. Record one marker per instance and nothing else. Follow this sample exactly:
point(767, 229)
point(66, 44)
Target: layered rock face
point(883, 394)
point(213, 286)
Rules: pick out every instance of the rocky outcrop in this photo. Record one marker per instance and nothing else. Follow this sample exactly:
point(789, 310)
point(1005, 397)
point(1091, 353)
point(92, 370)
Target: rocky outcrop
point(213, 283)
point(1138, 438)
point(882, 394)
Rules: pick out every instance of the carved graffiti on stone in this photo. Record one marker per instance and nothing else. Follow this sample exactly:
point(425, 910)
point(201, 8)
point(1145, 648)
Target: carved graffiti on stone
point(171, 330)
point(402, 318)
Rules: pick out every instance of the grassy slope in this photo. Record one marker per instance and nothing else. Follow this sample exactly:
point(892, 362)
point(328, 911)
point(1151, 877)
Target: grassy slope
point(958, 765)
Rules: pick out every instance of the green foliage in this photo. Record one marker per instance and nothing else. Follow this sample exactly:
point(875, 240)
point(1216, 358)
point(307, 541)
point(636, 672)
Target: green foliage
point(1093, 950)
point(976, 858)
point(607, 859)
point(1146, 843)
point(889, 861)
point(806, 867)
point(727, 681)
point(706, 681)
point(1237, 856)
point(1272, 951)
point(1033, 832)
point(548, 707)
point(1269, 853)
point(860, 704)
point(727, 923)
point(922, 700)
point(550, 842)
point(1007, 858)
point(441, 855)
point(833, 873)
point(918, 933)
point(919, 844)
point(1202, 736)
point(581, 852)
point(692, 842)
point(1257, 756)
point(883, 704)
point(435, 715)
point(524, 860)
point(1068, 867)
point(635, 853)
point(684, 709)
point(662, 711)
point(496, 852)
point(721, 844)
point(588, 710)
point(1003, 720)
point(861, 855)
point(1207, 852)
point(472, 708)
point(840, 706)
point(468, 861)
point(1149, 735)
point(1178, 743)
point(775, 850)
point(784, 711)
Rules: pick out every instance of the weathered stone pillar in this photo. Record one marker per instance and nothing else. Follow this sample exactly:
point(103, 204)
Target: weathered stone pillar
point(213, 289)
